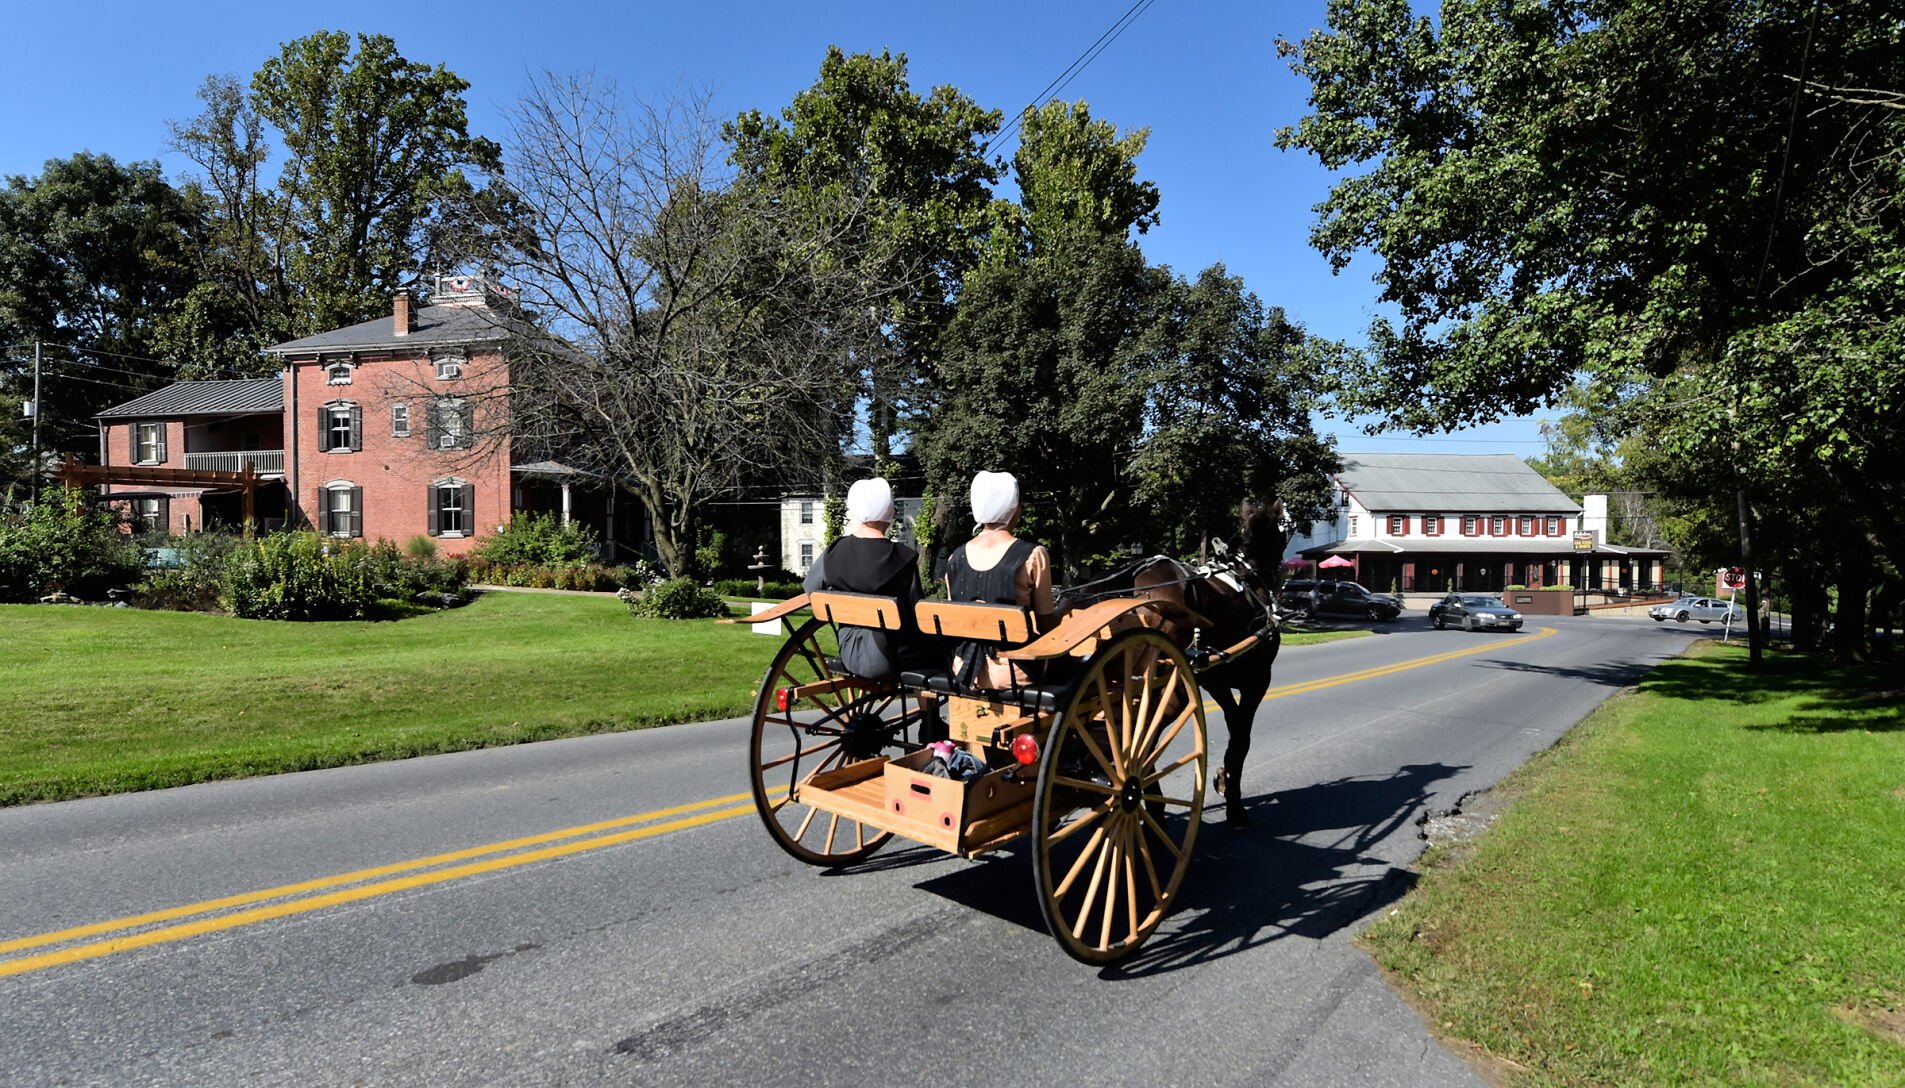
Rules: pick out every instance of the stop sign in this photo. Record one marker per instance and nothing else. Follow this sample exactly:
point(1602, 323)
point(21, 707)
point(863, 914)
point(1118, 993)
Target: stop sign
point(1733, 578)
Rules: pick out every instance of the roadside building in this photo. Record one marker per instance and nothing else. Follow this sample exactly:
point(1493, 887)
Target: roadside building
point(1420, 523)
point(388, 429)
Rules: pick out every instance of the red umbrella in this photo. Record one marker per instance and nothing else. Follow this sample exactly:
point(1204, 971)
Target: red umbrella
point(1337, 561)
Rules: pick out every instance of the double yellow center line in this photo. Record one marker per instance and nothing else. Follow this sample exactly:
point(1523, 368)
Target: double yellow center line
point(290, 899)
point(212, 915)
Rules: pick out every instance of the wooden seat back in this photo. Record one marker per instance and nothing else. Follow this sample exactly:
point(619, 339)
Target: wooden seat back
point(857, 610)
point(981, 622)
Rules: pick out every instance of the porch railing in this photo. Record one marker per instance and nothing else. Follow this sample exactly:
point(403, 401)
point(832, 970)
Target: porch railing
point(264, 462)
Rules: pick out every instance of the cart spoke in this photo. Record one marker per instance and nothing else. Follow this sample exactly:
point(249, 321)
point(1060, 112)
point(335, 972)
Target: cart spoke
point(1081, 784)
point(1091, 817)
point(1093, 847)
point(1166, 799)
point(1164, 837)
point(1193, 757)
point(1117, 859)
point(1131, 890)
point(1092, 747)
point(1150, 870)
point(1091, 891)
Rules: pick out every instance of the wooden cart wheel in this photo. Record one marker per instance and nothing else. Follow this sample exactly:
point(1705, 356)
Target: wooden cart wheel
point(806, 722)
point(1120, 797)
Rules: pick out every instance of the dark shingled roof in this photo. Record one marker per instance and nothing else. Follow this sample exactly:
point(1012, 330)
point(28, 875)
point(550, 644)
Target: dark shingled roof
point(221, 398)
point(457, 323)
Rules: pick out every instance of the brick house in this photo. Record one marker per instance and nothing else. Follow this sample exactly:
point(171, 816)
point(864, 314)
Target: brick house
point(1435, 522)
point(388, 429)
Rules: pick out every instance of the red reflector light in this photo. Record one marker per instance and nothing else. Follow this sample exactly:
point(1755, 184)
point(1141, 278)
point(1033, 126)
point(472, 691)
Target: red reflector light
point(782, 697)
point(1025, 748)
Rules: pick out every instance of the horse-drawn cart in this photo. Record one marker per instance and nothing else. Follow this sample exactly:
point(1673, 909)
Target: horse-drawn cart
point(1100, 759)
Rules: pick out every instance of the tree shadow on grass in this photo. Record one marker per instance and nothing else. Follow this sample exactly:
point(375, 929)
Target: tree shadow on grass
point(1249, 888)
point(1825, 698)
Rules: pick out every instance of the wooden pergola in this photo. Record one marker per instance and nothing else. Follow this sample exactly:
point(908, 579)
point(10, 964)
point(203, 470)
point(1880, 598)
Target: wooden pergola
point(75, 474)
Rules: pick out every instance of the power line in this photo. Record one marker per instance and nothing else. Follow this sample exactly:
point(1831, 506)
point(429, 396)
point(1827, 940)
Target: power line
point(1064, 78)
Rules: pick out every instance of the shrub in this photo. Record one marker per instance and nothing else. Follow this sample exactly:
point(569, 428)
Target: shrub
point(540, 540)
point(677, 599)
point(745, 587)
point(420, 547)
point(197, 583)
point(61, 543)
point(299, 576)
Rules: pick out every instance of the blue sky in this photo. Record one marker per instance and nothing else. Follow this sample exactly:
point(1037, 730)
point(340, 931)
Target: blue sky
point(1202, 76)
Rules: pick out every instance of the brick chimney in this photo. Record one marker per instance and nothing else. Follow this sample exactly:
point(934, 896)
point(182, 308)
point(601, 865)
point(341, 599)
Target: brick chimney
point(403, 318)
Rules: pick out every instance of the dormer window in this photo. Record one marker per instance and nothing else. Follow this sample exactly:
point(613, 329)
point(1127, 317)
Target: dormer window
point(449, 368)
point(337, 374)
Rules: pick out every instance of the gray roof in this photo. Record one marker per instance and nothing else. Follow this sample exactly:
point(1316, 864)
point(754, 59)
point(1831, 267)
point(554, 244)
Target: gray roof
point(1509, 546)
point(1450, 483)
point(437, 326)
point(221, 398)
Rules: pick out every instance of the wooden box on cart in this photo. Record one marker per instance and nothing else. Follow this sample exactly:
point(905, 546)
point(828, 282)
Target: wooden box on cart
point(945, 813)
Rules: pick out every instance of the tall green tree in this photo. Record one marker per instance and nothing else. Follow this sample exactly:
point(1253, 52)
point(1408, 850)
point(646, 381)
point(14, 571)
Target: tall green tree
point(95, 256)
point(915, 168)
point(376, 148)
point(1041, 370)
point(1695, 207)
point(1227, 416)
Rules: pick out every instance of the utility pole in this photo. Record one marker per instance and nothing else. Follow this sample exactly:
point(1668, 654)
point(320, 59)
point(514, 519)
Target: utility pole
point(36, 422)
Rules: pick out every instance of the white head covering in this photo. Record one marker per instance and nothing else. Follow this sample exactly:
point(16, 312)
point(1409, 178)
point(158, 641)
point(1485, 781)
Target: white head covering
point(869, 500)
point(994, 496)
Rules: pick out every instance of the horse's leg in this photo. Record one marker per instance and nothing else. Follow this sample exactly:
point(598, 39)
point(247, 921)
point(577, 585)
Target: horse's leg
point(1237, 719)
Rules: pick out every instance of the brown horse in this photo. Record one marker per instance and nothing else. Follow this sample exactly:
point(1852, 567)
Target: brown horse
point(1232, 656)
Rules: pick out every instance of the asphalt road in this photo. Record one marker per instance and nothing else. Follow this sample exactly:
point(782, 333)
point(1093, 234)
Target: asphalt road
point(608, 910)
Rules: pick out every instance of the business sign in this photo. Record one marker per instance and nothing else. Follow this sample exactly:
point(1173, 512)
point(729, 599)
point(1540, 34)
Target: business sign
point(1584, 540)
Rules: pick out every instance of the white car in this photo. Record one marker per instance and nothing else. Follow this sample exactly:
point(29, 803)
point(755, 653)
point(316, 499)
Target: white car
point(1704, 609)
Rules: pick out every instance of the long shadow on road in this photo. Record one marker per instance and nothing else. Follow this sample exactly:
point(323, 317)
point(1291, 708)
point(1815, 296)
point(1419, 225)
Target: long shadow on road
point(1302, 870)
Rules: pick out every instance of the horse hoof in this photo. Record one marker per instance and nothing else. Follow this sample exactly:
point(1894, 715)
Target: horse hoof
point(1219, 780)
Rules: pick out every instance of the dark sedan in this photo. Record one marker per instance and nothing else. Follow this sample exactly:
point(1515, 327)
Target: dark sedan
point(1474, 612)
point(1334, 598)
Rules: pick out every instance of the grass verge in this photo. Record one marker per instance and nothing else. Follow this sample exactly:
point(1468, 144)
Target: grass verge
point(1703, 884)
point(109, 700)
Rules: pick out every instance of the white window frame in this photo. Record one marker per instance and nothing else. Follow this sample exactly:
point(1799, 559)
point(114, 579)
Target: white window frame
point(806, 511)
point(139, 433)
point(331, 509)
point(453, 487)
point(450, 368)
point(336, 417)
point(337, 374)
point(806, 555)
point(400, 420)
point(147, 511)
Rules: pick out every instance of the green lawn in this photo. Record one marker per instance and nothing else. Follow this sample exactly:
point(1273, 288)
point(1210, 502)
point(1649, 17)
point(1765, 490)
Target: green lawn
point(1704, 884)
point(106, 700)
point(100, 700)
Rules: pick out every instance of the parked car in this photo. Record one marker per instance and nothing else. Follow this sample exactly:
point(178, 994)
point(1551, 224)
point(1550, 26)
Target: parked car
point(1334, 598)
point(1473, 612)
point(1704, 609)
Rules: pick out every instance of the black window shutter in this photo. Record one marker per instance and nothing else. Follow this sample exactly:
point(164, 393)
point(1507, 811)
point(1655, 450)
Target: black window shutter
point(431, 524)
point(357, 511)
point(324, 430)
point(324, 511)
point(164, 522)
point(357, 427)
point(467, 414)
point(469, 510)
point(162, 443)
point(432, 425)
point(132, 443)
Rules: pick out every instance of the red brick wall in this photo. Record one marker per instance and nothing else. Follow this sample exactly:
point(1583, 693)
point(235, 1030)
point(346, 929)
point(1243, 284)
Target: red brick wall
point(397, 472)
